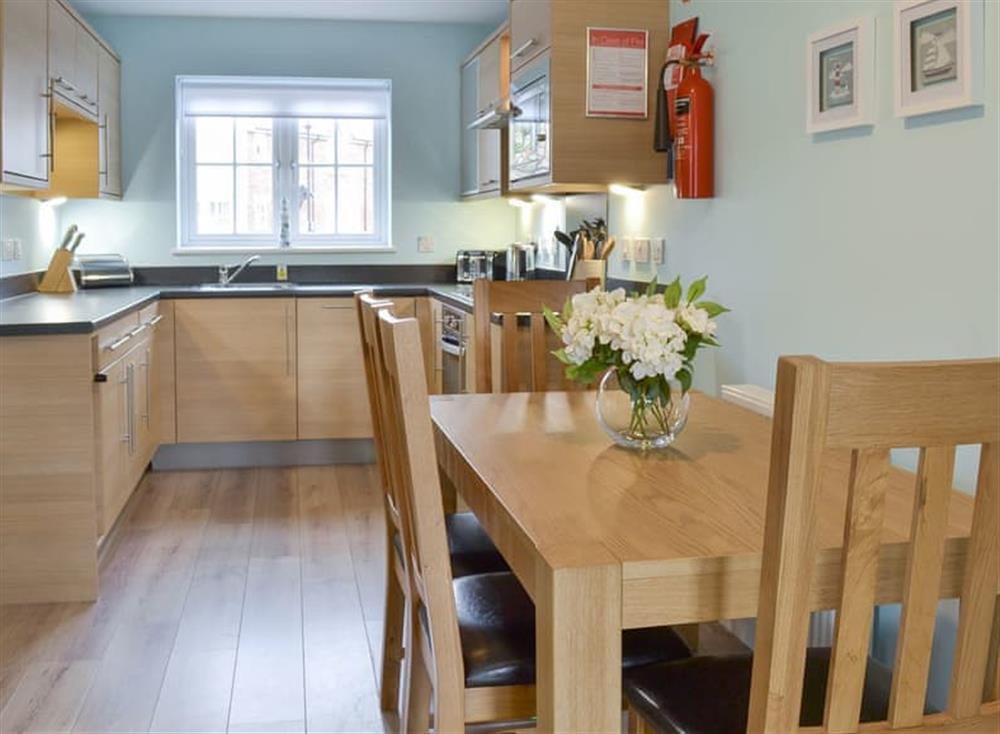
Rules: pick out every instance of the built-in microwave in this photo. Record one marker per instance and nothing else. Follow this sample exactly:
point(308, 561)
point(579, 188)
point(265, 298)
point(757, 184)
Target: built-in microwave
point(529, 137)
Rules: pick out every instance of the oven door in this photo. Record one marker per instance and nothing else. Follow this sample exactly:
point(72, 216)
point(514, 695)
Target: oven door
point(452, 366)
point(529, 138)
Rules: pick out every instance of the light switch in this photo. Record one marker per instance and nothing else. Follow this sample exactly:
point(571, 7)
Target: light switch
point(641, 249)
point(657, 248)
point(425, 243)
point(11, 249)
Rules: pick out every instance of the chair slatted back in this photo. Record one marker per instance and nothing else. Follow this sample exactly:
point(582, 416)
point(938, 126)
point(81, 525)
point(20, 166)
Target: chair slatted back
point(423, 511)
point(869, 409)
point(368, 308)
point(508, 300)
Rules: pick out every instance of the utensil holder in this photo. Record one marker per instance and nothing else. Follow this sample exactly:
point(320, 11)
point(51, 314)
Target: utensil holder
point(592, 271)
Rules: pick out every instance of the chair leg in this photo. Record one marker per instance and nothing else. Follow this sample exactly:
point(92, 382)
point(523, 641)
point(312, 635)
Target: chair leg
point(416, 714)
point(637, 724)
point(393, 650)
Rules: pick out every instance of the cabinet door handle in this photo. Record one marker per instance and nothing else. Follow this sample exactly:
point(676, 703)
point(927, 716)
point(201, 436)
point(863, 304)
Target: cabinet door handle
point(523, 47)
point(155, 320)
point(126, 436)
point(149, 400)
point(51, 150)
point(105, 140)
point(117, 343)
point(288, 342)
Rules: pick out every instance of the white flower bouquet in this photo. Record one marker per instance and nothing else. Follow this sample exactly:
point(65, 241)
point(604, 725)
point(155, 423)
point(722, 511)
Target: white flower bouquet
point(649, 341)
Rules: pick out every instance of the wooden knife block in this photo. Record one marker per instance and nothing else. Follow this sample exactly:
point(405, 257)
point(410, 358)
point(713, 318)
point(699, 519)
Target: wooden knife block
point(58, 278)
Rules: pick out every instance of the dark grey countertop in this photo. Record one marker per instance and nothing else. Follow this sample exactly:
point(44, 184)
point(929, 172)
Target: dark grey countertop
point(86, 311)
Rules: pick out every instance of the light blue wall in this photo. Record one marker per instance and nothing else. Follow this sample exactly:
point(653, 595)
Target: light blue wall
point(878, 243)
point(32, 222)
point(422, 61)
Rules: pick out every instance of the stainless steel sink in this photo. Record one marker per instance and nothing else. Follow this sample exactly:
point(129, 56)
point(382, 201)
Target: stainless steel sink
point(245, 286)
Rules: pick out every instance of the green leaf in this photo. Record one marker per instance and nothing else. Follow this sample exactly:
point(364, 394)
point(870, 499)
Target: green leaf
point(684, 377)
point(709, 341)
point(696, 289)
point(672, 295)
point(553, 319)
point(691, 346)
point(651, 287)
point(714, 309)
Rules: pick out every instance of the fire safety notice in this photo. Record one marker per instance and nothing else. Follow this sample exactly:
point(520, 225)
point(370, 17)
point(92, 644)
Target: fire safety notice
point(616, 72)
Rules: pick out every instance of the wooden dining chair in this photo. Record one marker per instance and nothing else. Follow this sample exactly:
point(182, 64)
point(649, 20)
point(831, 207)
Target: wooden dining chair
point(866, 409)
point(525, 361)
point(472, 637)
point(470, 549)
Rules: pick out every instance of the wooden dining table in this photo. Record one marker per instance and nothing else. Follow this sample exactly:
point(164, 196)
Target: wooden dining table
point(606, 539)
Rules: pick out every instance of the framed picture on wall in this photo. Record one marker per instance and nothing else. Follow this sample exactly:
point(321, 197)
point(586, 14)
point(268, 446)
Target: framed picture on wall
point(840, 76)
point(938, 55)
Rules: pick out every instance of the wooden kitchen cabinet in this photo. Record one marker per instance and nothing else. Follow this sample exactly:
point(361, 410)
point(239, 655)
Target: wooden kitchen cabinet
point(485, 77)
point(25, 143)
point(549, 82)
point(332, 394)
point(109, 113)
point(127, 407)
point(125, 441)
point(73, 59)
point(469, 138)
point(235, 369)
point(530, 30)
point(163, 373)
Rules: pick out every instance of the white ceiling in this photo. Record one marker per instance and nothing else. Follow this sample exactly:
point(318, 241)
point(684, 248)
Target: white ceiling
point(413, 11)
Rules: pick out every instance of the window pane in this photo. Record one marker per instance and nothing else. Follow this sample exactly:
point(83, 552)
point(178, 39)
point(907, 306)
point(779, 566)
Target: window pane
point(356, 143)
point(254, 200)
point(254, 140)
point(213, 139)
point(355, 204)
point(214, 190)
point(317, 201)
point(316, 140)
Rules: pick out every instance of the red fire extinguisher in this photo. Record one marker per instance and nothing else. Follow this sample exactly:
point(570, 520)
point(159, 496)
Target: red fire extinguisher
point(694, 144)
point(686, 114)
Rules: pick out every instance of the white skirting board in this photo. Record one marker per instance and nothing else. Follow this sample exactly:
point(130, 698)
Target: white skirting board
point(821, 624)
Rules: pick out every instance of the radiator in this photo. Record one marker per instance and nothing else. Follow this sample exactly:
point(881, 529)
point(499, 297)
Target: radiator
point(821, 624)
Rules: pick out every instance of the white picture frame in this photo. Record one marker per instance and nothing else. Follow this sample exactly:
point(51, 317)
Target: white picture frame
point(840, 76)
point(952, 52)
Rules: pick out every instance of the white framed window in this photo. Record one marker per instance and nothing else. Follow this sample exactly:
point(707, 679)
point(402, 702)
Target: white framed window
point(270, 163)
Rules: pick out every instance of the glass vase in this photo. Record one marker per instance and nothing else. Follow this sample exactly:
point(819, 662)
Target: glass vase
point(641, 423)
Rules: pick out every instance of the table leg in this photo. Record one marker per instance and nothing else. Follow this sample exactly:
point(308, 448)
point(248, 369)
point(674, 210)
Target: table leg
point(578, 620)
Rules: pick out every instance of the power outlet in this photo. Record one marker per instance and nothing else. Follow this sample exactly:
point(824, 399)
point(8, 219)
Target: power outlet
point(11, 249)
point(425, 243)
point(657, 250)
point(641, 249)
point(281, 273)
point(627, 252)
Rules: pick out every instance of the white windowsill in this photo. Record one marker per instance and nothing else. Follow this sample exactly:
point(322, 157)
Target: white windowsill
point(268, 250)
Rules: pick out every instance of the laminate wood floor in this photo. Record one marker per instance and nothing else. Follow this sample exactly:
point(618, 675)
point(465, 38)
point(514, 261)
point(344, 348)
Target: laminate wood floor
point(235, 600)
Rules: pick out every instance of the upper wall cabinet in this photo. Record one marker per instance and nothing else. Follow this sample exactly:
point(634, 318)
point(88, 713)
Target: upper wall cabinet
point(109, 104)
point(72, 60)
point(553, 145)
point(485, 85)
point(25, 143)
point(61, 109)
point(530, 30)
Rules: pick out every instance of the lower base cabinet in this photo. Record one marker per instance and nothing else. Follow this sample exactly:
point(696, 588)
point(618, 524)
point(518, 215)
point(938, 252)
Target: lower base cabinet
point(235, 369)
